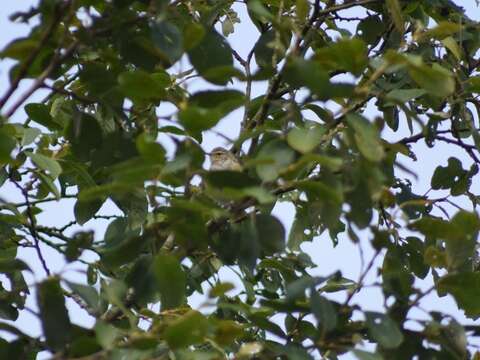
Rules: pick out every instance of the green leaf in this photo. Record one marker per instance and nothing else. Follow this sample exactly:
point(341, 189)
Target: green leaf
point(168, 39)
point(220, 289)
point(88, 294)
point(85, 135)
point(53, 313)
point(441, 31)
point(305, 140)
point(324, 311)
point(150, 150)
point(437, 80)
point(48, 183)
point(300, 72)
point(345, 54)
point(223, 101)
point(29, 135)
point(193, 33)
point(12, 265)
point(460, 245)
point(383, 330)
point(303, 8)
point(45, 163)
point(459, 234)
point(7, 144)
point(84, 210)
point(273, 157)
point(106, 334)
point(451, 44)
point(171, 281)
point(366, 137)
point(453, 177)
point(213, 52)
point(465, 288)
point(207, 108)
point(270, 233)
point(189, 329)
point(98, 79)
point(370, 29)
point(140, 85)
point(124, 252)
point(402, 96)
point(40, 113)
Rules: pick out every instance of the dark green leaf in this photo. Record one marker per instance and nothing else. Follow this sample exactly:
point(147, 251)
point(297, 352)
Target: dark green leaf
point(465, 288)
point(140, 85)
point(88, 294)
point(40, 113)
point(187, 330)
point(384, 330)
point(46, 163)
point(53, 313)
point(324, 311)
point(270, 233)
point(85, 210)
point(366, 137)
point(168, 39)
point(213, 52)
point(171, 281)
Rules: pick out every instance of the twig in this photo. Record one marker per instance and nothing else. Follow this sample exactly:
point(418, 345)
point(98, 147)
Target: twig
point(57, 60)
point(362, 277)
point(33, 55)
point(32, 227)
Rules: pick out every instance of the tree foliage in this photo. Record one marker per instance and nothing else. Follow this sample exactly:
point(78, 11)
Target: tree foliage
point(352, 88)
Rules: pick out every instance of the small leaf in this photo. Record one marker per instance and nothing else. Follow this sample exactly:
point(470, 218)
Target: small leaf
point(220, 289)
point(88, 294)
point(403, 95)
point(7, 144)
point(305, 140)
point(366, 137)
point(45, 163)
point(384, 330)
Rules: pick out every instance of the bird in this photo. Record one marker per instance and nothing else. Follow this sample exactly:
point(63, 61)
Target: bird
point(222, 159)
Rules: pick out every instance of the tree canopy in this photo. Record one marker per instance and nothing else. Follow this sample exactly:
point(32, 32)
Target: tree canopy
point(352, 89)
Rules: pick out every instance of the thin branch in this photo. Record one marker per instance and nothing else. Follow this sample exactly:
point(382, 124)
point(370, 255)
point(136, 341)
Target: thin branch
point(32, 227)
point(33, 55)
point(57, 60)
point(362, 277)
